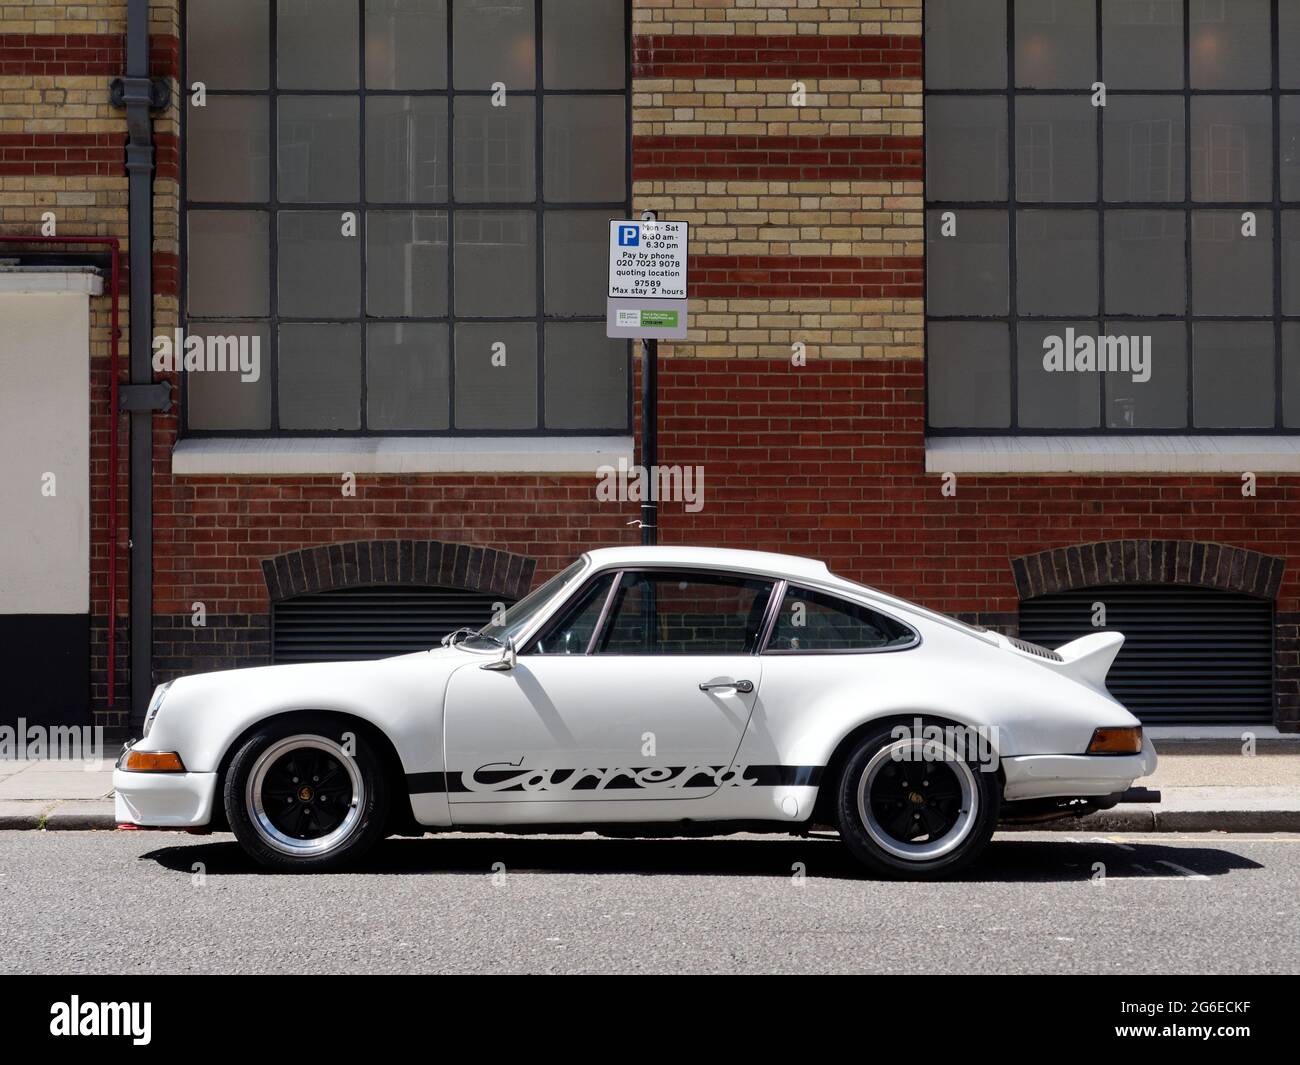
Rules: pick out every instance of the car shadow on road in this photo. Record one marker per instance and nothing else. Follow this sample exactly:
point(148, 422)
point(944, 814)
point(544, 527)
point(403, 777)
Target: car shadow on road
point(1008, 859)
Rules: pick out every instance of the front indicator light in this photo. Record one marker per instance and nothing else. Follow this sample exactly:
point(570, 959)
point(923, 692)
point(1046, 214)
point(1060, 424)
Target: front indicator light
point(153, 762)
point(1116, 741)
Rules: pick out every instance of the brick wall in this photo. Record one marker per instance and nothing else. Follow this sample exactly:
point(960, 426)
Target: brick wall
point(807, 230)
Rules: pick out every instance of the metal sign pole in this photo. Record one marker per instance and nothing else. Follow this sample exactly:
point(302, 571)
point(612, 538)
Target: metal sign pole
point(650, 439)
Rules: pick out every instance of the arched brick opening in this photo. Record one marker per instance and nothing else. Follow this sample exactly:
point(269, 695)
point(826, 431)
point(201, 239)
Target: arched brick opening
point(1191, 563)
point(432, 563)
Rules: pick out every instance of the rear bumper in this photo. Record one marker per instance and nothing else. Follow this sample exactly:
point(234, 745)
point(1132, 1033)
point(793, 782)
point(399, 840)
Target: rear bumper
point(164, 800)
point(1042, 776)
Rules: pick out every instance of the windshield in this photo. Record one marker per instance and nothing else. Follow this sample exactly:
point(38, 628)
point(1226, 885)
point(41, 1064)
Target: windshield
point(510, 623)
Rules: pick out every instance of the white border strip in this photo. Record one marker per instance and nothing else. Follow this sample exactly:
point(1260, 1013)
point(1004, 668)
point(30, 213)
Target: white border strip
point(1113, 454)
point(289, 456)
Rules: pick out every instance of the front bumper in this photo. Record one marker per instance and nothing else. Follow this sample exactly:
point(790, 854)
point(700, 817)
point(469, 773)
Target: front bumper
point(1043, 776)
point(164, 800)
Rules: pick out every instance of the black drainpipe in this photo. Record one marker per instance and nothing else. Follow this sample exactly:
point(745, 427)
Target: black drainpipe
point(139, 94)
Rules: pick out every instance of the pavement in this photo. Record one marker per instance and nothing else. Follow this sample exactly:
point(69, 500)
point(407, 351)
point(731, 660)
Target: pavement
point(126, 903)
point(1206, 786)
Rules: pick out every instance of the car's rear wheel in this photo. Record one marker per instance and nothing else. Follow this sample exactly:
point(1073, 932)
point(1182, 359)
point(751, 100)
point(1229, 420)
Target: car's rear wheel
point(305, 795)
point(916, 806)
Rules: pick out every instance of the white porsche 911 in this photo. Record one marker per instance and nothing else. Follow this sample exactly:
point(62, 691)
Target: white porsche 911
point(653, 691)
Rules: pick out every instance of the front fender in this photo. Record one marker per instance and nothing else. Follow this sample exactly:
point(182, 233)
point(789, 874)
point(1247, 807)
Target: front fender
point(204, 714)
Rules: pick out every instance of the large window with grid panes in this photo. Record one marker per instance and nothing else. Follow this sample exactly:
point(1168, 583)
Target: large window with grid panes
point(403, 205)
point(1112, 216)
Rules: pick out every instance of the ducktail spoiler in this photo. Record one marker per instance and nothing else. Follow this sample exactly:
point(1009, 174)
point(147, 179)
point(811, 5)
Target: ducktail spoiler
point(1089, 658)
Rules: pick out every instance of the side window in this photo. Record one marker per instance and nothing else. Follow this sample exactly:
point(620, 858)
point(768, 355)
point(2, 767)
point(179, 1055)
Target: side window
point(571, 634)
point(812, 622)
point(685, 613)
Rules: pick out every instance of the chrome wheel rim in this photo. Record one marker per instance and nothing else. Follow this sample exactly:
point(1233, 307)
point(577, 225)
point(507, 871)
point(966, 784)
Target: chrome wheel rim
point(917, 799)
point(305, 795)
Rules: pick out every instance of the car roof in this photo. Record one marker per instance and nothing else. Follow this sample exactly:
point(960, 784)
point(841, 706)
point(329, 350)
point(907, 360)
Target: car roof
point(767, 563)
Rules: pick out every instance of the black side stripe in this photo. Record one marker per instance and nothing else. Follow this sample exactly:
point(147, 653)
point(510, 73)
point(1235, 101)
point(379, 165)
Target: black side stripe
point(765, 776)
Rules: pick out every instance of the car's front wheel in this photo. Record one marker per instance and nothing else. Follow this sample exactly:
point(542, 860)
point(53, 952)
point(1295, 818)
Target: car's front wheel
point(306, 795)
point(916, 806)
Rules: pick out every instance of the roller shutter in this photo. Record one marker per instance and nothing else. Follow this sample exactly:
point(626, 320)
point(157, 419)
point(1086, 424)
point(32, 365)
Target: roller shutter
point(1191, 656)
point(356, 623)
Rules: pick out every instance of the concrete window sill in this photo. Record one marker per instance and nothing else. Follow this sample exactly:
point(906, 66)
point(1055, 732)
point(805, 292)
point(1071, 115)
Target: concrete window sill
point(1113, 454)
point(312, 456)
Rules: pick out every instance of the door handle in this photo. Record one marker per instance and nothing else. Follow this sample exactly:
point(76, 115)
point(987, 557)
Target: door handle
point(742, 686)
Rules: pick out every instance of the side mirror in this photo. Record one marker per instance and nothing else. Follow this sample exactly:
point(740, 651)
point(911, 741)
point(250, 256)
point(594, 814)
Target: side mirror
point(506, 662)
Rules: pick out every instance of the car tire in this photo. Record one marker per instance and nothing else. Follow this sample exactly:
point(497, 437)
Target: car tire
point(306, 795)
point(913, 807)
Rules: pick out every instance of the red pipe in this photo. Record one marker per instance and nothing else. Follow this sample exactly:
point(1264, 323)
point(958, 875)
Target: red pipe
point(113, 287)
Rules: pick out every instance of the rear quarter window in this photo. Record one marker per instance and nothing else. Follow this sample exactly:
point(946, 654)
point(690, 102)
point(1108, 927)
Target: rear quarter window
point(813, 622)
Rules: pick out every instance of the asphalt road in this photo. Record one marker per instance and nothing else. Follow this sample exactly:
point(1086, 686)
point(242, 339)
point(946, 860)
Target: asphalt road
point(107, 902)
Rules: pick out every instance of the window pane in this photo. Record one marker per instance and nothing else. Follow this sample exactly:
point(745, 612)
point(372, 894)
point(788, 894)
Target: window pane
point(694, 614)
point(494, 43)
point(1056, 398)
point(969, 368)
point(966, 148)
point(1290, 118)
point(1231, 274)
point(585, 154)
point(490, 394)
point(1056, 44)
point(1289, 44)
point(228, 44)
point(577, 245)
point(229, 264)
point(406, 44)
point(1056, 262)
point(316, 44)
point(1056, 149)
point(406, 264)
point(1145, 149)
point(494, 150)
point(1232, 148)
point(809, 621)
point(496, 266)
point(223, 399)
point(406, 149)
point(1231, 44)
point(407, 370)
point(572, 634)
point(1233, 375)
point(1142, 44)
point(582, 45)
point(226, 145)
point(1146, 262)
point(1291, 375)
point(967, 271)
point(586, 377)
point(966, 44)
point(1158, 352)
point(320, 377)
point(1291, 262)
point(319, 268)
point(319, 150)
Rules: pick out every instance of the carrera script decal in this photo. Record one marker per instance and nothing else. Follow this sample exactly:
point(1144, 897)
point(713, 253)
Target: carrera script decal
point(512, 777)
point(509, 776)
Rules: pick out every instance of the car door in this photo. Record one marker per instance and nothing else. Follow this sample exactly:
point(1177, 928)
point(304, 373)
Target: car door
point(639, 691)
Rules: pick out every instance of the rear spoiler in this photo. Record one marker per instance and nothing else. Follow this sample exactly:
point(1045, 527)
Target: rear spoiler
point(1089, 658)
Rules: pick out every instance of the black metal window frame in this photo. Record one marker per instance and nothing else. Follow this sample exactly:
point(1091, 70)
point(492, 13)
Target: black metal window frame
point(539, 205)
point(1100, 206)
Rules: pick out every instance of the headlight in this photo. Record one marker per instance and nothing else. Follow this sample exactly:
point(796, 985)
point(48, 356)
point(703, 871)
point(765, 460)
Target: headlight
point(155, 704)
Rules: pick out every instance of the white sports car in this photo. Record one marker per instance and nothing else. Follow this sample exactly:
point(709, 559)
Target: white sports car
point(653, 691)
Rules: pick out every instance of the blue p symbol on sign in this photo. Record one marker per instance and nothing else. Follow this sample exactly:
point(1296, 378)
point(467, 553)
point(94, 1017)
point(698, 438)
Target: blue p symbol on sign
point(629, 236)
